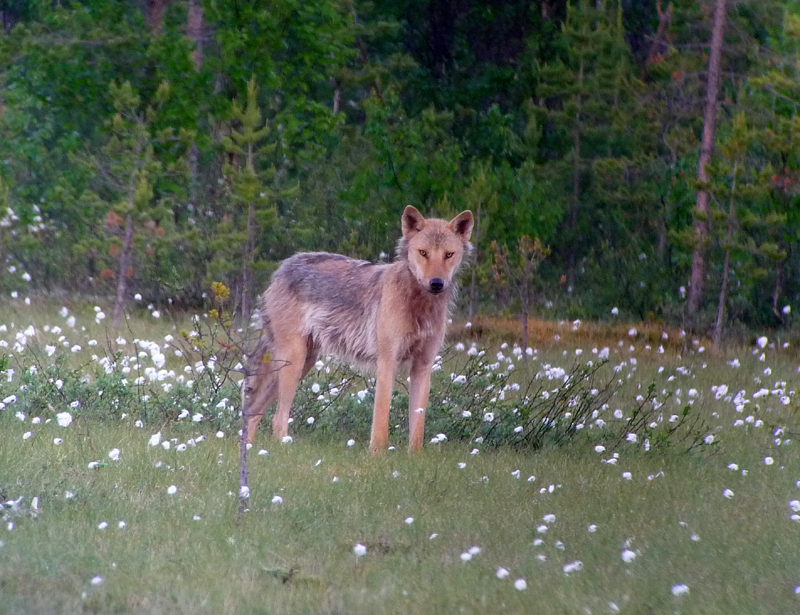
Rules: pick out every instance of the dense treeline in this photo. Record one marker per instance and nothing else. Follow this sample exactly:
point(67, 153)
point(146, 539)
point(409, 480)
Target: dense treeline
point(153, 146)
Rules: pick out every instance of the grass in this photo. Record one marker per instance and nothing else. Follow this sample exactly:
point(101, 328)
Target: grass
point(737, 555)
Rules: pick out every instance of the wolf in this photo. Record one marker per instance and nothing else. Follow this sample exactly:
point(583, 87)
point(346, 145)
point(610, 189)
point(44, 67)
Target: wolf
point(376, 316)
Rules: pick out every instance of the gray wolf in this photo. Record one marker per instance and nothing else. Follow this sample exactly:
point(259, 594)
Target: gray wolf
point(377, 316)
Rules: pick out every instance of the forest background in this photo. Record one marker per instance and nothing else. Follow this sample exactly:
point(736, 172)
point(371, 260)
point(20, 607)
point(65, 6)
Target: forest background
point(151, 147)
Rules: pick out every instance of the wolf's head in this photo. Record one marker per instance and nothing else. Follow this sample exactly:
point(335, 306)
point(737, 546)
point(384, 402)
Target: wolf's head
point(434, 248)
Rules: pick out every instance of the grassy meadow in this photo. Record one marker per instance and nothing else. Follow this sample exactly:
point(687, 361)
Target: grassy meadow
point(593, 525)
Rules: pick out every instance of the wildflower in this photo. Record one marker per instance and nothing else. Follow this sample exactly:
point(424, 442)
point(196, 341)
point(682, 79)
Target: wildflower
point(351, 442)
point(359, 550)
point(286, 440)
point(409, 520)
point(172, 490)
point(520, 584)
point(573, 567)
point(64, 419)
point(277, 499)
point(728, 493)
point(592, 528)
point(113, 454)
point(466, 556)
point(628, 556)
point(57, 441)
point(768, 461)
point(502, 573)
point(103, 525)
point(155, 439)
point(762, 342)
point(121, 525)
point(98, 580)
point(627, 476)
point(680, 590)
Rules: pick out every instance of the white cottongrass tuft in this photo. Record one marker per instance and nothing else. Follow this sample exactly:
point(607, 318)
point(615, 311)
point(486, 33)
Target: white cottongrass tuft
point(573, 567)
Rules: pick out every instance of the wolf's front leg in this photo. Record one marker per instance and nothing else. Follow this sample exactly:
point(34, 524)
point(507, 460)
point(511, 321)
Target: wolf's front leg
point(383, 401)
point(417, 403)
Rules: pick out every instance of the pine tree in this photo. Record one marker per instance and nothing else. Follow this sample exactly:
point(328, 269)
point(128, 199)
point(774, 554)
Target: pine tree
point(251, 194)
point(128, 168)
point(578, 95)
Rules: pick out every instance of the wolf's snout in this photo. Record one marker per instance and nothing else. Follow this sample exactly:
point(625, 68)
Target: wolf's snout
point(436, 285)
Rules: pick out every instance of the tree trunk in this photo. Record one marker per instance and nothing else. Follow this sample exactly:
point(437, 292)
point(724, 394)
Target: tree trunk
point(124, 265)
point(247, 265)
point(194, 29)
point(244, 487)
point(525, 336)
point(664, 18)
point(723, 291)
point(154, 14)
point(706, 153)
point(473, 287)
point(572, 221)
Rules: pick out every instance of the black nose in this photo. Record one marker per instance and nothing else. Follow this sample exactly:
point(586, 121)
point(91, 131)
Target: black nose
point(437, 285)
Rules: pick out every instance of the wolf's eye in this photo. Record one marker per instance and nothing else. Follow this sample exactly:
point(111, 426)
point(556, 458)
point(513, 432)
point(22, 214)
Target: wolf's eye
point(449, 254)
point(423, 254)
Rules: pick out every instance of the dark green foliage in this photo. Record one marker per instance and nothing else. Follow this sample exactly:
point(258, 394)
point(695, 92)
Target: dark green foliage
point(577, 123)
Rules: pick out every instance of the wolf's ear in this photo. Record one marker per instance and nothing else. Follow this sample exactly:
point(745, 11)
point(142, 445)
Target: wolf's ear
point(413, 221)
point(461, 225)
